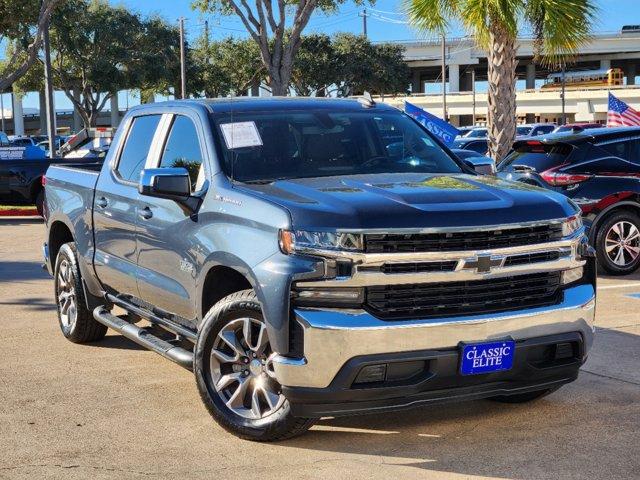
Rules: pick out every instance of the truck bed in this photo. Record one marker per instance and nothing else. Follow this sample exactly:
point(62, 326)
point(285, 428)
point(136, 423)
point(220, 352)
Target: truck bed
point(69, 194)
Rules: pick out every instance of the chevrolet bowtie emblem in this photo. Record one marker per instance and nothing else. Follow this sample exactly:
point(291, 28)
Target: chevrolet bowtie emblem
point(483, 263)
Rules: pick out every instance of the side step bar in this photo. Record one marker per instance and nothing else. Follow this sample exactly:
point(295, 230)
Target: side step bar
point(168, 324)
point(142, 337)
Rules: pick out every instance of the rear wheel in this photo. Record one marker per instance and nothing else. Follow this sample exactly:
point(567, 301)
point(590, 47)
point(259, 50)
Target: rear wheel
point(40, 203)
point(234, 372)
point(618, 243)
point(76, 320)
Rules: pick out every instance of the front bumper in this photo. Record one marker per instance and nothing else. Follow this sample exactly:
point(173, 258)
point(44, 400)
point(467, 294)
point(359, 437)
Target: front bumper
point(334, 337)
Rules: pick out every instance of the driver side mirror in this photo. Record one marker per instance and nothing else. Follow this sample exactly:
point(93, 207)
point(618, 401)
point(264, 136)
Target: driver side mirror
point(170, 183)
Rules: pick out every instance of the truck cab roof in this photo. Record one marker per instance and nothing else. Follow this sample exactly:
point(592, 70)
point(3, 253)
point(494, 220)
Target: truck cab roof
point(249, 104)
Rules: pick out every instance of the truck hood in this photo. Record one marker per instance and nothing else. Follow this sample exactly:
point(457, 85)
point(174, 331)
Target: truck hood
point(409, 200)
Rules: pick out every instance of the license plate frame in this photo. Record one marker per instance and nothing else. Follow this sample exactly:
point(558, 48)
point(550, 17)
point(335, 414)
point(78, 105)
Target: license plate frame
point(478, 358)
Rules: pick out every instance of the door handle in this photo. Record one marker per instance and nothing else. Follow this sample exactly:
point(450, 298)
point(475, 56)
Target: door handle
point(146, 213)
point(102, 202)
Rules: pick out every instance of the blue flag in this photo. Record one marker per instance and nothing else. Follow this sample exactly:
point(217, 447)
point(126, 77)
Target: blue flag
point(441, 129)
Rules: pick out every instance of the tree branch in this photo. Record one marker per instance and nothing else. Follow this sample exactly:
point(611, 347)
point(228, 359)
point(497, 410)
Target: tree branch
point(32, 50)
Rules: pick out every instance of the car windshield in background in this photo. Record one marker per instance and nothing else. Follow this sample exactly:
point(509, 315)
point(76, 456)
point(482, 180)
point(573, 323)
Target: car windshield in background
point(538, 157)
point(523, 130)
point(263, 147)
point(477, 133)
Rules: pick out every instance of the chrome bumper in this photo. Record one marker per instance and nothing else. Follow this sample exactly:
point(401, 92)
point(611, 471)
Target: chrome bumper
point(332, 337)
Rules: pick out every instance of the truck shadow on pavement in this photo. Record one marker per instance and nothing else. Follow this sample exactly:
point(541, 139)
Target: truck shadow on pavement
point(22, 271)
point(38, 304)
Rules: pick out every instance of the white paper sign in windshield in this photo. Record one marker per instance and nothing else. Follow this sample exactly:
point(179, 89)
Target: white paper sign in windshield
point(241, 135)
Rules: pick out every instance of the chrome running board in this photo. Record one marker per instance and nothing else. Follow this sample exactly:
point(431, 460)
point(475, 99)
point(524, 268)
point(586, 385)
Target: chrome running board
point(142, 337)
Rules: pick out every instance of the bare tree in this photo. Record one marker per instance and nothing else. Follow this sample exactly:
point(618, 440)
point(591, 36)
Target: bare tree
point(23, 58)
point(277, 35)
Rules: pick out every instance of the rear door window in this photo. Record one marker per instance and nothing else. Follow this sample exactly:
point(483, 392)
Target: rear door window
point(538, 157)
point(136, 148)
point(609, 159)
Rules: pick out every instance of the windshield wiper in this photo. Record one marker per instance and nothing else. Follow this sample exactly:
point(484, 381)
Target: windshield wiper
point(264, 181)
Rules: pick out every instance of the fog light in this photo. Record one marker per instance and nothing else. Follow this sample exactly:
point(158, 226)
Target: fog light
point(573, 275)
point(329, 296)
point(372, 373)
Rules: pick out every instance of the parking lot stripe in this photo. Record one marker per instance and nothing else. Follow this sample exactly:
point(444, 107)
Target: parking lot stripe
point(628, 285)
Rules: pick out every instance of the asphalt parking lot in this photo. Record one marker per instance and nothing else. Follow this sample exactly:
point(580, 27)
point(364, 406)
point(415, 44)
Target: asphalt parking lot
point(113, 410)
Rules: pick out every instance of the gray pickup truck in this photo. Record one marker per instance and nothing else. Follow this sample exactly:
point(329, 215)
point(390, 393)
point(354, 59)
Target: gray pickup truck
point(318, 257)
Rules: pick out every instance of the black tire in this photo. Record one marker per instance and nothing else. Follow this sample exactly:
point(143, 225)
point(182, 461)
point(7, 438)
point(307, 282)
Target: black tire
point(75, 319)
point(40, 203)
point(605, 231)
point(280, 424)
point(524, 397)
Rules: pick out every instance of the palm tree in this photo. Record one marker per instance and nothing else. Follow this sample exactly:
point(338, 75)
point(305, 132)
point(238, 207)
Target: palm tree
point(559, 27)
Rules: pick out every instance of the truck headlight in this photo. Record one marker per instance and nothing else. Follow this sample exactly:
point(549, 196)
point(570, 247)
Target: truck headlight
point(300, 240)
point(571, 225)
point(572, 275)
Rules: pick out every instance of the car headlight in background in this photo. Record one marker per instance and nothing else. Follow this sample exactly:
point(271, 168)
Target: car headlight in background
point(571, 225)
point(300, 240)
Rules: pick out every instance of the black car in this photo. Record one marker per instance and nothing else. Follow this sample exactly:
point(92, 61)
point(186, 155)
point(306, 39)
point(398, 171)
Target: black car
point(599, 169)
point(478, 145)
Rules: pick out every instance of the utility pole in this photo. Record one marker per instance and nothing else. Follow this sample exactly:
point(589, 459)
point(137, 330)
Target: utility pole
point(2, 110)
point(48, 91)
point(206, 35)
point(564, 114)
point(445, 117)
point(364, 16)
point(183, 67)
point(473, 91)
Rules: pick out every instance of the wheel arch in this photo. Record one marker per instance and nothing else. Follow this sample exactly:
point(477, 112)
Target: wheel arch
point(627, 204)
point(59, 234)
point(221, 275)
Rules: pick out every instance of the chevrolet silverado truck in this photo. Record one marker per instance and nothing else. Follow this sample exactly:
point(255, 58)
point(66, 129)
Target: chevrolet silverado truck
point(318, 257)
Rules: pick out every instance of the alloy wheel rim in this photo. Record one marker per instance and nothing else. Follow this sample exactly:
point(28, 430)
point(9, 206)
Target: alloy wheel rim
point(622, 243)
point(241, 369)
point(66, 295)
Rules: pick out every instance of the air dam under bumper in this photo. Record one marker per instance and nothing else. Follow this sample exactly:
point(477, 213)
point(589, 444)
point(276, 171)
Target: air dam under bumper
point(333, 337)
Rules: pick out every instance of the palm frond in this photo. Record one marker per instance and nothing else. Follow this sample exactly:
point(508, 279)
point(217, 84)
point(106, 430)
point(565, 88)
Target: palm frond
point(560, 27)
point(431, 15)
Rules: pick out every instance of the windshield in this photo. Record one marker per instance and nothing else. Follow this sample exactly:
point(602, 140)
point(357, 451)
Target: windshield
point(523, 130)
point(477, 133)
point(266, 146)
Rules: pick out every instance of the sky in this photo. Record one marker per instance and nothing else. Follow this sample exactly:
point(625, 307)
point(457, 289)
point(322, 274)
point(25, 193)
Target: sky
point(385, 22)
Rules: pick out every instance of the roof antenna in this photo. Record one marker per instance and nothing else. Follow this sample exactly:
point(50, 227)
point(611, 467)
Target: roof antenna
point(367, 100)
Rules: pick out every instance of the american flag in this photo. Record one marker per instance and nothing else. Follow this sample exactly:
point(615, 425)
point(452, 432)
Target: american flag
point(620, 114)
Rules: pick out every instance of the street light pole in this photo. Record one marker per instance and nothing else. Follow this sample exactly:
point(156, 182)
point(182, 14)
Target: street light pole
point(473, 91)
point(2, 110)
point(564, 114)
point(183, 68)
point(444, 80)
point(48, 91)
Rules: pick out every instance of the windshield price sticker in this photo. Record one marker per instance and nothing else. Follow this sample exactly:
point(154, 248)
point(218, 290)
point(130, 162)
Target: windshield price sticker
point(241, 135)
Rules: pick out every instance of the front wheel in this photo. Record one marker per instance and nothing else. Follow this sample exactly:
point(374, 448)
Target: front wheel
point(234, 372)
point(618, 243)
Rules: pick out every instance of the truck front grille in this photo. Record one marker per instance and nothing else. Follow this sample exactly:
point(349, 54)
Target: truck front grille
point(463, 298)
point(455, 241)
